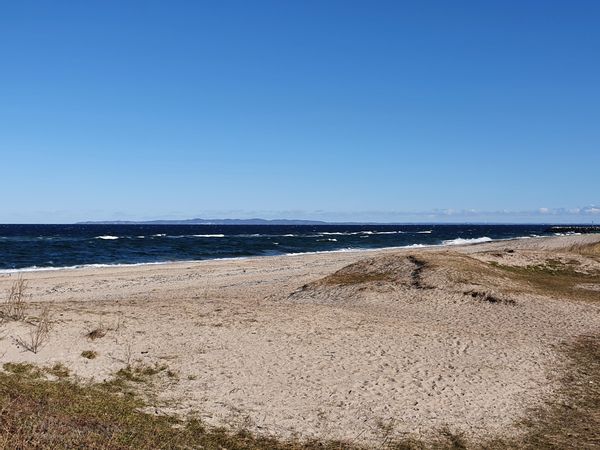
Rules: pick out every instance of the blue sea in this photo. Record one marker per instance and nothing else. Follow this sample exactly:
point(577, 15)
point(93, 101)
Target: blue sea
point(31, 247)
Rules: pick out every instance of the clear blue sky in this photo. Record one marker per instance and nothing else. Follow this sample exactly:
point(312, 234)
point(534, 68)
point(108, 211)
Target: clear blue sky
point(347, 110)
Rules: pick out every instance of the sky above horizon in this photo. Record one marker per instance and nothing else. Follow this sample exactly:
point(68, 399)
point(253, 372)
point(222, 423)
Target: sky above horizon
point(333, 110)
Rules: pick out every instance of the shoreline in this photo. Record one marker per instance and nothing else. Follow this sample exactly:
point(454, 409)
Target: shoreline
point(477, 241)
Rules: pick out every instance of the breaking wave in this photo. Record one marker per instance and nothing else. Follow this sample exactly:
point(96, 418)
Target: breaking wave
point(461, 241)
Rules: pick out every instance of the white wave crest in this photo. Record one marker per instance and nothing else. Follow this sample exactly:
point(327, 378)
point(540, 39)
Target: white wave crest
point(107, 237)
point(424, 232)
point(461, 241)
point(83, 266)
point(352, 233)
point(383, 232)
point(209, 235)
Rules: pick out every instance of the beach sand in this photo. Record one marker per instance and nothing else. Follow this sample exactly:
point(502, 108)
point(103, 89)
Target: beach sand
point(341, 345)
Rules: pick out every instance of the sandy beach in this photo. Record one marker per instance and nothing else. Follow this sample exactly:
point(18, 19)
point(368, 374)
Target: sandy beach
point(356, 346)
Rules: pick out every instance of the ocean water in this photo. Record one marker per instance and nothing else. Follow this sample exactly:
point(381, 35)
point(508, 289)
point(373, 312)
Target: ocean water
point(31, 247)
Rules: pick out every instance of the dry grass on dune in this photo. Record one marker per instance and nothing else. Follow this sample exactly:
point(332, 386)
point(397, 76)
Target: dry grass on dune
point(586, 249)
point(39, 414)
point(36, 413)
point(557, 278)
point(452, 272)
point(445, 273)
point(571, 272)
point(572, 417)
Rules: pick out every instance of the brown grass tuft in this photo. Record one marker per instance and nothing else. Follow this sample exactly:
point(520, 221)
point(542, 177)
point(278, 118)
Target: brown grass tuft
point(139, 373)
point(58, 370)
point(89, 354)
point(38, 335)
point(96, 333)
point(15, 306)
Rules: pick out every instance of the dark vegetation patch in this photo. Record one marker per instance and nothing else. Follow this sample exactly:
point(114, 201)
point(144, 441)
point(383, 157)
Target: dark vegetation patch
point(488, 297)
point(140, 373)
point(415, 276)
point(58, 370)
point(30, 370)
point(89, 354)
point(25, 369)
point(96, 333)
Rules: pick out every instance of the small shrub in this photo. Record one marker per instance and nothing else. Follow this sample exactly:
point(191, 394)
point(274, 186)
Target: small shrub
point(96, 333)
point(39, 333)
point(15, 307)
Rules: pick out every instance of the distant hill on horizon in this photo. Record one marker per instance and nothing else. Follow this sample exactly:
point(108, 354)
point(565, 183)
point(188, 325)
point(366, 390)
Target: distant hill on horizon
point(555, 227)
point(197, 221)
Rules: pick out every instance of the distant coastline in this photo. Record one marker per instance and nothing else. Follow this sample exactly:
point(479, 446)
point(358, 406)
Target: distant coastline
point(255, 221)
point(552, 227)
